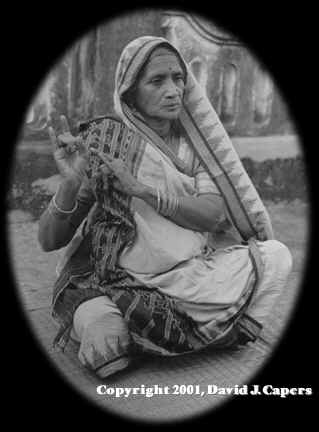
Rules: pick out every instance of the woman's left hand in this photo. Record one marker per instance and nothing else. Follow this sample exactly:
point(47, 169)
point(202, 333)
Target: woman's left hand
point(126, 182)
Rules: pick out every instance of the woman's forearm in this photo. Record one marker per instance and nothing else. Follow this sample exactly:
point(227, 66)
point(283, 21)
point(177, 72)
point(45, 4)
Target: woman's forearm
point(56, 232)
point(67, 193)
point(200, 213)
point(196, 213)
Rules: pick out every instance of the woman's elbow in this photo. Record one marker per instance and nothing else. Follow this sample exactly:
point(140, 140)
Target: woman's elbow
point(213, 212)
point(45, 244)
point(50, 237)
point(46, 248)
point(213, 221)
point(49, 243)
point(210, 226)
point(208, 223)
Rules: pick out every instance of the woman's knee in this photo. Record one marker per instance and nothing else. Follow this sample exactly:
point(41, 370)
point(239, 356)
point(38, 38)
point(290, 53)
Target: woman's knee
point(103, 335)
point(105, 345)
point(279, 254)
point(108, 334)
point(94, 311)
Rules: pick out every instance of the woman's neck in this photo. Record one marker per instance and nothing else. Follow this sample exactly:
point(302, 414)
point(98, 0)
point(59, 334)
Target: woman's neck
point(161, 127)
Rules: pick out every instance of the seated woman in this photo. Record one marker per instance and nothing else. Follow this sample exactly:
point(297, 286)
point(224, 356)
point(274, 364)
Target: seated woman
point(140, 196)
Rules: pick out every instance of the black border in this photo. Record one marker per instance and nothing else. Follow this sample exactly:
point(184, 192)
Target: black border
point(284, 40)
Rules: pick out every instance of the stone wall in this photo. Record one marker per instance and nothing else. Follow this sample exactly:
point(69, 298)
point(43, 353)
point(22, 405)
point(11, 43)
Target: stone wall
point(241, 91)
point(81, 86)
point(34, 176)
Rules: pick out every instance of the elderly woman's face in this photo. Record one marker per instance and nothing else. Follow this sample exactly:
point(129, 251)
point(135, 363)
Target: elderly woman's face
point(160, 90)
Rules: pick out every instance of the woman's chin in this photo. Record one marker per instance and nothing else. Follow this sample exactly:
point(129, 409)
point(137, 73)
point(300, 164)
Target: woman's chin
point(172, 115)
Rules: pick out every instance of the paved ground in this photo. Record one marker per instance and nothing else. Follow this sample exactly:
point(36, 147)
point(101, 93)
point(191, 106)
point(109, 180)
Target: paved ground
point(35, 273)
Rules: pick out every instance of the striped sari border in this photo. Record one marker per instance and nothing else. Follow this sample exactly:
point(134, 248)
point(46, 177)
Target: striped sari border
point(230, 208)
point(245, 222)
point(133, 58)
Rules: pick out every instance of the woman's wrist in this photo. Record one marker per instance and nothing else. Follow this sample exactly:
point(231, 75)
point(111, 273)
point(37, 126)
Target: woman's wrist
point(65, 197)
point(73, 181)
point(146, 193)
point(58, 212)
point(167, 204)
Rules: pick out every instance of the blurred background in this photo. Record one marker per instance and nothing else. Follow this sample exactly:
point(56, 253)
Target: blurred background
point(244, 95)
point(81, 85)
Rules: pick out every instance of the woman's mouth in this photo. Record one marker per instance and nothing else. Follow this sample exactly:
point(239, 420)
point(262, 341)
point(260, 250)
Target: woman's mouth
point(173, 107)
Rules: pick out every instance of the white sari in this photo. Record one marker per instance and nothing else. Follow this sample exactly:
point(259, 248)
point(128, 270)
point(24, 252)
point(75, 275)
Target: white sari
point(178, 261)
point(213, 287)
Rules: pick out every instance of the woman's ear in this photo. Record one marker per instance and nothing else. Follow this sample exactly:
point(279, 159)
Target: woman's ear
point(129, 97)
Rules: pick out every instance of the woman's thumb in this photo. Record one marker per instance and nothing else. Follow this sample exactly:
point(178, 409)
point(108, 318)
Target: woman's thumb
point(81, 147)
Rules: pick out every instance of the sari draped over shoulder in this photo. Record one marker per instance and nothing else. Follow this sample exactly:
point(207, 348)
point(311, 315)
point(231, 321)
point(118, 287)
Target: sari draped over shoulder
point(176, 293)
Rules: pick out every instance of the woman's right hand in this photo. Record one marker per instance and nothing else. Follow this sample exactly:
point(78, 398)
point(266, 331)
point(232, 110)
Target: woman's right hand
point(70, 153)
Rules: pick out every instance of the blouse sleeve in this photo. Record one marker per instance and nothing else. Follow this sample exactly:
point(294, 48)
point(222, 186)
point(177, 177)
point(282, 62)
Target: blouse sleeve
point(203, 183)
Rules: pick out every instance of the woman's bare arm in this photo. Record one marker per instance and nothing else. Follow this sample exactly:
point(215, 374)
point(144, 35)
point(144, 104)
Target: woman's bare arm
point(73, 199)
point(200, 213)
point(54, 232)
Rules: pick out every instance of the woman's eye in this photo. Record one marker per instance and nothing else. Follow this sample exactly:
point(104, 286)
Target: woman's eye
point(179, 78)
point(156, 81)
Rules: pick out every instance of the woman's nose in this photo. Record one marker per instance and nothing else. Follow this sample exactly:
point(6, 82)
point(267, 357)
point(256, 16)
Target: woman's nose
point(172, 89)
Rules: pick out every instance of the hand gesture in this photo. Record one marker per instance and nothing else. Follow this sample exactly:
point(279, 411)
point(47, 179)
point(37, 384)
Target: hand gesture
point(125, 181)
point(70, 153)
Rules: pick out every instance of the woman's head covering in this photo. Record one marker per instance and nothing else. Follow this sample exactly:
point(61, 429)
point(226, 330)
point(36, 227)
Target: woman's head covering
point(164, 49)
point(132, 62)
point(200, 123)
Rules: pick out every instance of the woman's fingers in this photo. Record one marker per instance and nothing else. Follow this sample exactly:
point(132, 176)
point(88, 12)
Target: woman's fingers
point(64, 124)
point(115, 166)
point(105, 169)
point(105, 158)
point(82, 150)
point(118, 185)
point(68, 142)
